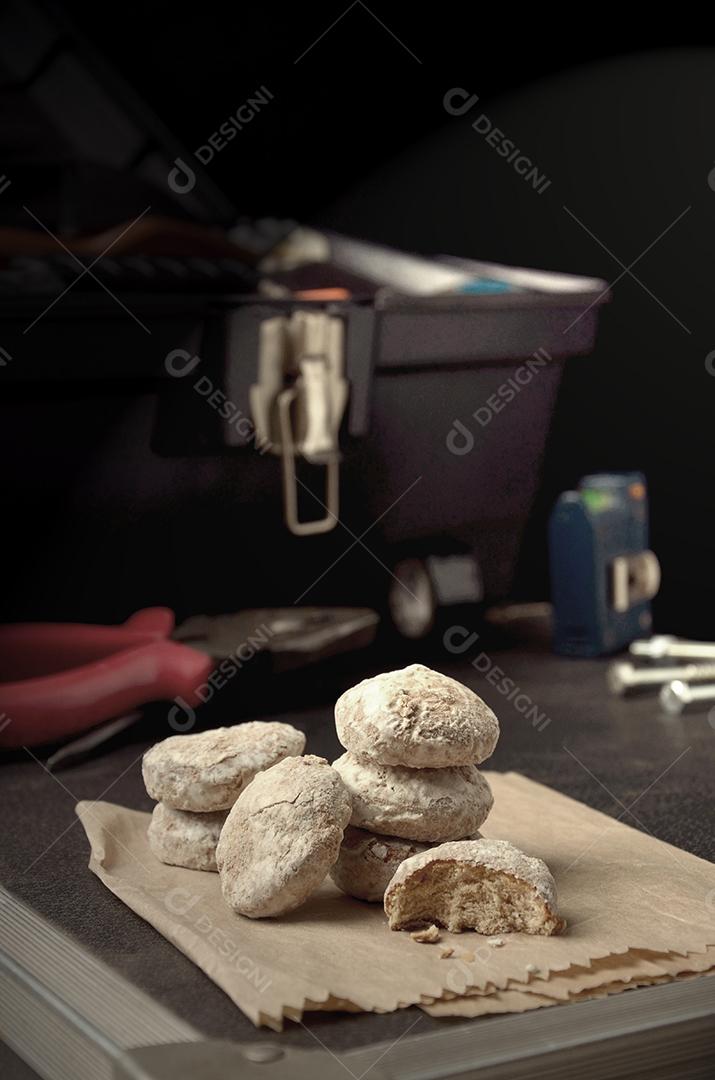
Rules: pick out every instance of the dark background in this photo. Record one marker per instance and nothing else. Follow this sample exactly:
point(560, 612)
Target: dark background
point(357, 139)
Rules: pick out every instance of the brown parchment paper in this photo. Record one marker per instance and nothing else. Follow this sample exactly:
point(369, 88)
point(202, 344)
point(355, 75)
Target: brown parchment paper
point(619, 889)
point(513, 1000)
point(622, 967)
point(609, 975)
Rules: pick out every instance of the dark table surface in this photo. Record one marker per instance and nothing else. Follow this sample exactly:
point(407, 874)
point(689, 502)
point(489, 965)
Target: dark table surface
point(559, 726)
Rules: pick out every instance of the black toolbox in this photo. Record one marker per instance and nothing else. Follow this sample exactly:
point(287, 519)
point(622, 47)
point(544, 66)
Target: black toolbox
point(130, 485)
point(139, 431)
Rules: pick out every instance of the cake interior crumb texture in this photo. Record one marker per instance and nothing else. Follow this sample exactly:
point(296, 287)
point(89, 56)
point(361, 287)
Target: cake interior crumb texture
point(459, 897)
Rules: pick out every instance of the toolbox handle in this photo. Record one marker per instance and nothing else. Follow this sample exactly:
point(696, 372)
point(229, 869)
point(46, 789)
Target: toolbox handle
point(290, 479)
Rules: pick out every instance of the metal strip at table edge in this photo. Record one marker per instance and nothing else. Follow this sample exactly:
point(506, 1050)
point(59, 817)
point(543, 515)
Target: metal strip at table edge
point(70, 1017)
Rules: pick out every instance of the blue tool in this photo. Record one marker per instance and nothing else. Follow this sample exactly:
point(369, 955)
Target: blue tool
point(603, 576)
point(485, 286)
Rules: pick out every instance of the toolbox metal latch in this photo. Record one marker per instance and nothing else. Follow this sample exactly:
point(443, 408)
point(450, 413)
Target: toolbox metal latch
point(298, 405)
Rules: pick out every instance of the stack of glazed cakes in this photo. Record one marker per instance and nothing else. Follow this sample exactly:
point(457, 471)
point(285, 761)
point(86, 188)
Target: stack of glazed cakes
point(198, 778)
point(414, 739)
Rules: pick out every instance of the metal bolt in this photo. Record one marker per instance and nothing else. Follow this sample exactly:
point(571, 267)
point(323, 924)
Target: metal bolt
point(624, 678)
point(677, 696)
point(665, 645)
point(262, 1053)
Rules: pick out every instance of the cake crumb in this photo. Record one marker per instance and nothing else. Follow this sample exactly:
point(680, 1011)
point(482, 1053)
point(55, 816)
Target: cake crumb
point(446, 953)
point(533, 969)
point(429, 936)
point(496, 942)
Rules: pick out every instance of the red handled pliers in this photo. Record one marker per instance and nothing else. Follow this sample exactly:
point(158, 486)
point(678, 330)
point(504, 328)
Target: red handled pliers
point(59, 679)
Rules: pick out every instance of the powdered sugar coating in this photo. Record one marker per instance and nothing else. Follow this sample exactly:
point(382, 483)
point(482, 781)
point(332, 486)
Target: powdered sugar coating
point(418, 718)
point(182, 838)
point(207, 771)
point(497, 855)
point(432, 805)
point(282, 836)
